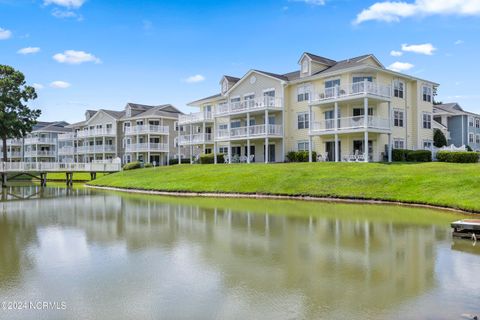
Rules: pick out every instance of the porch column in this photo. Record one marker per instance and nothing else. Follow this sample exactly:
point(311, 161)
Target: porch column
point(204, 136)
point(310, 133)
point(191, 145)
point(266, 136)
point(335, 119)
point(365, 146)
point(389, 147)
point(248, 137)
point(214, 132)
point(229, 151)
point(365, 115)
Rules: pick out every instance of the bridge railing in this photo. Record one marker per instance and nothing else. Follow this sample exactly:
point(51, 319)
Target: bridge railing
point(110, 166)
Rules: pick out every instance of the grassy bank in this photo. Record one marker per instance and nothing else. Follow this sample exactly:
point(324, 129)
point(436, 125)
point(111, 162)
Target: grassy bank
point(442, 184)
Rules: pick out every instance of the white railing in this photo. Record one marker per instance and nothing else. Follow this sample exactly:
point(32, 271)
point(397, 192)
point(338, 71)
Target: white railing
point(96, 132)
point(350, 123)
point(199, 138)
point(14, 142)
point(106, 166)
point(66, 150)
point(250, 131)
point(13, 154)
point(40, 140)
point(96, 149)
point(249, 105)
point(39, 153)
point(195, 117)
point(144, 147)
point(144, 129)
point(66, 136)
point(353, 90)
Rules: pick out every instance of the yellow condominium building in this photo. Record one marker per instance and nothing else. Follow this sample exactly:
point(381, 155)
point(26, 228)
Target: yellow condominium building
point(348, 110)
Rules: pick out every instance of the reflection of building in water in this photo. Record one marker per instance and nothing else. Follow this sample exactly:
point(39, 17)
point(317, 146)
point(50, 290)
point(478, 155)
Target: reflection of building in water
point(321, 261)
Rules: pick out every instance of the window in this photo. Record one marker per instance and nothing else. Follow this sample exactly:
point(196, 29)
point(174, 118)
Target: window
point(398, 118)
point(398, 144)
point(398, 88)
point(470, 121)
point(223, 126)
point(235, 124)
point(477, 139)
point(427, 121)
point(357, 112)
point(302, 120)
point(470, 138)
point(125, 126)
point(427, 94)
point(305, 66)
point(477, 123)
point(223, 150)
point(362, 78)
point(302, 146)
point(332, 83)
point(303, 93)
point(427, 144)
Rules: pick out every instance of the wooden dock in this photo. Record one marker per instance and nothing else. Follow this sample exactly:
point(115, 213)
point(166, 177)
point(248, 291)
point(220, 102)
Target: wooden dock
point(39, 170)
point(467, 228)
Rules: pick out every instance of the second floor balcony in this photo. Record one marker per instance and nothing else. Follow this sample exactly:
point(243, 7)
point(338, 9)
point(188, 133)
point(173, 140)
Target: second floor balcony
point(250, 105)
point(351, 91)
point(147, 147)
point(15, 142)
point(12, 155)
point(105, 148)
point(40, 153)
point(199, 138)
point(250, 132)
point(146, 129)
point(197, 117)
point(66, 150)
point(351, 124)
point(66, 136)
point(40, 140)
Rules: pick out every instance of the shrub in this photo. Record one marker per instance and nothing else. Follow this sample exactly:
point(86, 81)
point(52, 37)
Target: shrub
point(439, 139)
point(400, 154)
point(175, 161)
point(458, 157)
point(209, 158)
point(419, 156)
point(300, 156)
point(132, 165)
point(148, 165)
point(469, 148)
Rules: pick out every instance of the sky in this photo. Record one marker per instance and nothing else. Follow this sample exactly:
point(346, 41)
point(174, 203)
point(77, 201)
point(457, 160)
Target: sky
point(92, 54)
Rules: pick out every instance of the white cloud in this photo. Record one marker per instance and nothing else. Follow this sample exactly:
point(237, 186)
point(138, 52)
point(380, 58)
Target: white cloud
point(194, 79)
point(38, 86)
point(66, 14)
point(389, 11)
point(65, 3)
point(60, 84)
point(75, 57)
point(400, 66)
point(28, 50)
point(395, 53)
point(311, 2)
point(5, 34)
point(426, 48)
point(458, 42)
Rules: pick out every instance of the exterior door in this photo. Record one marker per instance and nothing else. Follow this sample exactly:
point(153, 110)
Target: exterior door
point(271, 152)
point(330, 150)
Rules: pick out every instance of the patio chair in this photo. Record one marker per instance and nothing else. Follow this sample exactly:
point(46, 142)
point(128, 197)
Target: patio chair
point(361, 157)
point(243, 159)
point(252, 157)
point(226, 158)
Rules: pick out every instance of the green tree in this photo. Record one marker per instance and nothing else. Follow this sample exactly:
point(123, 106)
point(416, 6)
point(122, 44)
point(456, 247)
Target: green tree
point(439, 139)
point(16, 119)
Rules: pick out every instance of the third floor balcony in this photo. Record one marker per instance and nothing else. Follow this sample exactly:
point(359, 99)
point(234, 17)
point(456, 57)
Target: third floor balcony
point(40, 140)
point(203, 116)
point(146, 129)
point(250, 132)
point(96, 132)
point(199, 138)
point(377, 91)
point(250, 105)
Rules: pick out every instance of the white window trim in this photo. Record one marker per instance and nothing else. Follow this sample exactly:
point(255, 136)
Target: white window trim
point(431, 120)
point(268, 90)
point(248, 94)
point(399, 140)
point(306, 142)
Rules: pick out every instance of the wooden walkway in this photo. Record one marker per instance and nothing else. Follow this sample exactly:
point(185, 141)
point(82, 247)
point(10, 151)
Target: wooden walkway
point(39, 170)
point(467, 228)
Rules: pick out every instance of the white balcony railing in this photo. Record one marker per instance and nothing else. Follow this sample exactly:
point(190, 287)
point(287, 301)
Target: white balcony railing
point(353, 90)
point(146, 147)
point(13, 154)
point(106, 148)
point(40, 140)
point(66, 150)
point(249, 105)
point(273, 130)
point(96, 132)
point(199, 138)
point(351, 123)
point(146, 129)
point(39, 153)
point(14, 142)
point(195, 117)
point(66, 136)
point(103, 166)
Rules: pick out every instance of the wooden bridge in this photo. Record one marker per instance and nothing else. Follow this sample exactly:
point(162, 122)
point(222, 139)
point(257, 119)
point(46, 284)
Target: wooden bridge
point(39, 170)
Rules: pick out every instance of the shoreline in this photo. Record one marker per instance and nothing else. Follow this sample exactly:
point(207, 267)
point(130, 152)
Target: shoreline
point(351, 200)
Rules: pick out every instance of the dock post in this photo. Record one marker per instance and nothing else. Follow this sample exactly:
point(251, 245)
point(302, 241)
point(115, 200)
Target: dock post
point(4, 180)
point(43, 179)
point(69, 179)
point(93, 175)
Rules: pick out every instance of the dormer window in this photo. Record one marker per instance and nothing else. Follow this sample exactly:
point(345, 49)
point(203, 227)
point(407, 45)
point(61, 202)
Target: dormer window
point(224, 86)
point(305, 66)
point(128, 112)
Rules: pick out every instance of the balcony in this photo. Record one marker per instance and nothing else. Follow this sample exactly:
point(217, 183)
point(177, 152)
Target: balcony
point(147, 147)
point(40, 153)
point(96, 133)
point(106, 148)
point(250, 132)
point(196, 117)
point(40, 140)
point(66, 136)
point(351, 124)
point(66, 150)
point(15, 142)
point(12, 155)
point(352, 91)
point(146, 129)
point(199, 138)
point(257, 104)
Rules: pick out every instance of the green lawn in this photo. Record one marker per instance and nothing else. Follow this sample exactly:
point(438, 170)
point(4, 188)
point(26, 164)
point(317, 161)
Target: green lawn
point(444, 184)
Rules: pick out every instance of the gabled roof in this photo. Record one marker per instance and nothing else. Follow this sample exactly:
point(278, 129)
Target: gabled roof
point(319, 59)
point(231, 79)
point(57, 126)
point(275, 75)
point(115, 114)
point(206, 99)
point(164, 110)
point(452, 108)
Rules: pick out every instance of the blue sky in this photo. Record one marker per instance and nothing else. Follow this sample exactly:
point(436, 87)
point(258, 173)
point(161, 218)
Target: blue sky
point(90, 54)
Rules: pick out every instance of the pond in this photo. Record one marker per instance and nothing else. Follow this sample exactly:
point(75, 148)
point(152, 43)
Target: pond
point(106, 255)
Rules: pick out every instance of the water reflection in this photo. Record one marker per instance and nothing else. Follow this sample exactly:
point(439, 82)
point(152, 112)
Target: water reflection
point(151, 257)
